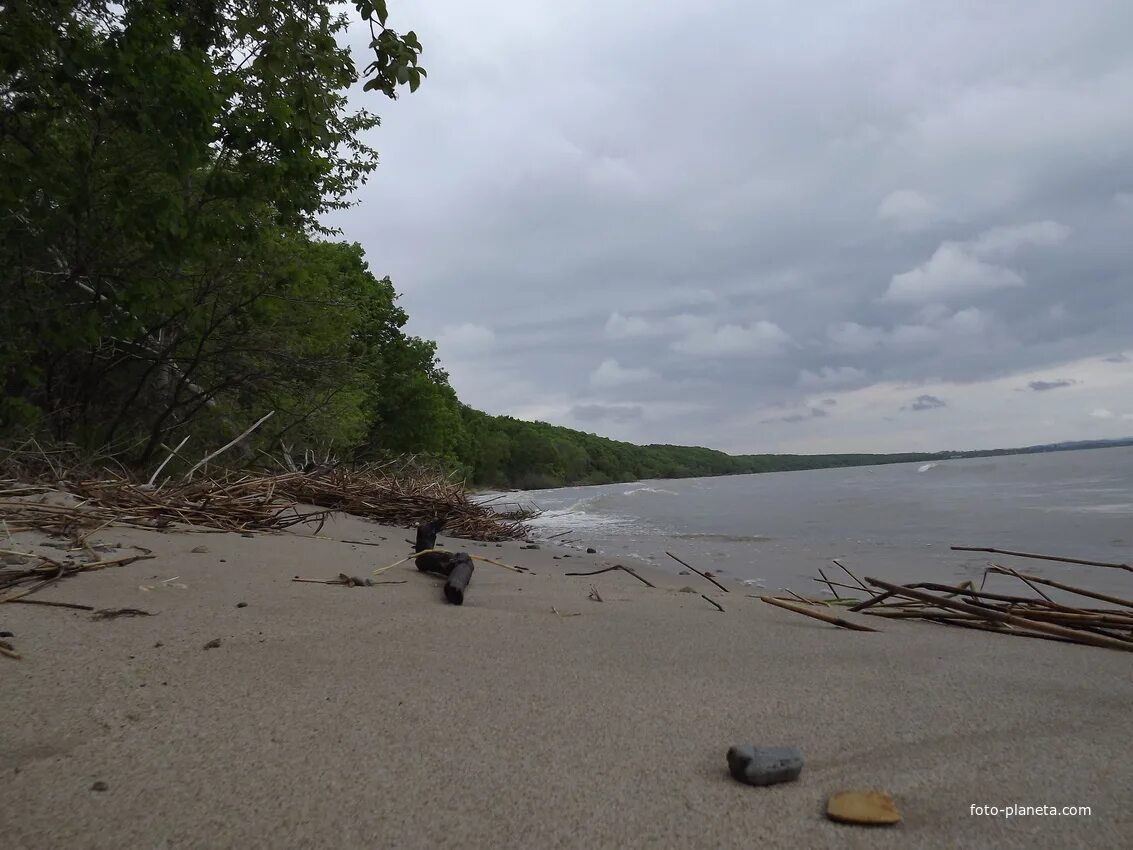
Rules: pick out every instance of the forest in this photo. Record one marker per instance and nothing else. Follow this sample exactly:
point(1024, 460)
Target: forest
point(165, 168)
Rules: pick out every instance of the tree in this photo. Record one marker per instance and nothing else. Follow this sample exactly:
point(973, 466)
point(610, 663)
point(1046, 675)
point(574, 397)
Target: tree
point(163, 167)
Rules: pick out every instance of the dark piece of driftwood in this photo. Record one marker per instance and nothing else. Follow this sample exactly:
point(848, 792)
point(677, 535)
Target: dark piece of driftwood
point(816, 613)
point(460, 573)
point(994, 616)
point(1044, 557)
point(612, 569)
point(698, 572)
point(434, 562)
point(713, 601)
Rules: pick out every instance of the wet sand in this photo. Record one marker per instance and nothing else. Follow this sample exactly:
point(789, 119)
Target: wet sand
point(531, 716)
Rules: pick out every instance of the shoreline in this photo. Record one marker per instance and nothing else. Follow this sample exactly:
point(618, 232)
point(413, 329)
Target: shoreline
point(530, 716)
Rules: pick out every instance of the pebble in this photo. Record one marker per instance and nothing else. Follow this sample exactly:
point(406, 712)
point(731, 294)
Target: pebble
point(100, 786)
point(530, 546)
point(199, 550)
point(591, 551)
point(687, 589)
point(212, 644)
point(764, 765)
point(866, 807)
point(241, 604)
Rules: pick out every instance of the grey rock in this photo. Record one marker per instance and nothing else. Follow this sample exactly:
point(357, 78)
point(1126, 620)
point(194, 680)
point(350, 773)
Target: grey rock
point(591, 551)
point(764, 765)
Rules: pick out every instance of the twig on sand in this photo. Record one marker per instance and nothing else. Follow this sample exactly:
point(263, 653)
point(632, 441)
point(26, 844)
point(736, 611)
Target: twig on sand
point(712, 601)
point(698, 572)
point(817, 614)
point(594, 595)
point(612, 569)
point(1044, 557)
point(74, 605)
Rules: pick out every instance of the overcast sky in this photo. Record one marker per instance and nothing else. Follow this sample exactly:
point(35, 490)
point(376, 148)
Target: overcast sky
point(769, 226)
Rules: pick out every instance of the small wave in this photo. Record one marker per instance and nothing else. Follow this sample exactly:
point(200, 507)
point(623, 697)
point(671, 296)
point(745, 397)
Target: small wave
point(724, 538)
point(650, 490)
point(926, 467)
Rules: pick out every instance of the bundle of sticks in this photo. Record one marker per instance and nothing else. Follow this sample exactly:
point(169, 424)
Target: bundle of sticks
point(1038, 615)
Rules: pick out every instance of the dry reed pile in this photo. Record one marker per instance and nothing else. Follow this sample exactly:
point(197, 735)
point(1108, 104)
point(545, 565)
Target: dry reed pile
point(1035, 615)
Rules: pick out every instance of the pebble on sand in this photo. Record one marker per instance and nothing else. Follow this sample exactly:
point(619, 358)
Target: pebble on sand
point(764, 765)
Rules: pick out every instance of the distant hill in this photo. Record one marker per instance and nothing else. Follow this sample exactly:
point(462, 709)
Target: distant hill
point(500, 451)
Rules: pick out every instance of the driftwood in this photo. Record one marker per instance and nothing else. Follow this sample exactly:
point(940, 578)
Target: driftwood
point(460, 573)
point(698, 572)
point(431, 561)
point(816, 613)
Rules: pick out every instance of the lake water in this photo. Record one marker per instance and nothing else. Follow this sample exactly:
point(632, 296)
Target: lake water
point(894, 522)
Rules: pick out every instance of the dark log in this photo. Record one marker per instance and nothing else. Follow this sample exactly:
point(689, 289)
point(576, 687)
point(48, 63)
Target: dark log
point(460, 573)
point(434, 562)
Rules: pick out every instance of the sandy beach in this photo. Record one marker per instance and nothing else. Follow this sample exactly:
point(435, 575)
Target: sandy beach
point(532, 716)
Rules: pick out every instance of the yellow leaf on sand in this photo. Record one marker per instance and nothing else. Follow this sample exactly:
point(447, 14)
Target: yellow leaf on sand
point(867, 807)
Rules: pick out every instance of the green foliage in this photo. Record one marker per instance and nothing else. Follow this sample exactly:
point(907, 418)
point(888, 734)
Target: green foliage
point(507, 452)
point(163, 167)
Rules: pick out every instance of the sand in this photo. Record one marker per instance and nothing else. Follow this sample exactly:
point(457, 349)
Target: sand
point(383, 717)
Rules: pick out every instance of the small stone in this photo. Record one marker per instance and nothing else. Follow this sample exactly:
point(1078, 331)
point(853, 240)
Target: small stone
point(556, 557)
point(212, 644)
point(199, 550)
point(100, 786)
point(684, 573)
point(764, 765)
point(865, 807)
point(591, 551)
point(158, 645)
point(687, 589)
point(241, 604)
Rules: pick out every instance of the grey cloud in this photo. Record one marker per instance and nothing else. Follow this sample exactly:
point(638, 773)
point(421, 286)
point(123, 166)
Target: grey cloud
point(610, 412)
point(925, 402)
point(1116, 358)
point(746, 250)
point(1043, 386)
point(830, 402)
point(811, 413)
